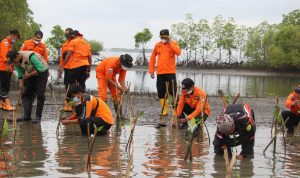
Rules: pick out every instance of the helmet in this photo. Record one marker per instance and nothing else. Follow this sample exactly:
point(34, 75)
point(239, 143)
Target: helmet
point(126, 61)
point(225, 123)
point(187, 83)
point(164, 33)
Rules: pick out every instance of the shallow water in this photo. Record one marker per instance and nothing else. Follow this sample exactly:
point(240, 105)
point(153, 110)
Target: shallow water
point(156, 153)
point(250, 84)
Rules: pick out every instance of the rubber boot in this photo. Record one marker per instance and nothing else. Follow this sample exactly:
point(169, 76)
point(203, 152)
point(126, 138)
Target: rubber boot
point(39, 111)
point(164, 104)
point(67, 108)
point(7, 106)
point(27, 107)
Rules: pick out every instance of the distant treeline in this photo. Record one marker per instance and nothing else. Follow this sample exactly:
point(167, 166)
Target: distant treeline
point(223, 43)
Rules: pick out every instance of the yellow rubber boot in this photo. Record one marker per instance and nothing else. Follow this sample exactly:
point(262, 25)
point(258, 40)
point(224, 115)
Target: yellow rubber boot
point(166, 107)
point(7, 106)
point(67, 108)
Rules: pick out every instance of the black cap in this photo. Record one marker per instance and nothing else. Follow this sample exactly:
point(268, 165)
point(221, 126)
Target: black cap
point(187, 83)
point(164, 33)
point(40, 33)
point(74, 89)
point(15, 32)
point(12, 55)
point(126, 60)
point(76, 33)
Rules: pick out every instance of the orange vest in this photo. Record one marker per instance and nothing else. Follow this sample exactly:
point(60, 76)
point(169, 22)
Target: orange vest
point(166, 62)
point(291, 98)
point(64, 48)
point(81, 52)
point(103, 110)
point(5, 46)
point(40, 48)
point(109, 68)
point(195, 101)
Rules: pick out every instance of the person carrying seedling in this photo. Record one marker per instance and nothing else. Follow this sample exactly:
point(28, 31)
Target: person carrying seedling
point(6, 70)
point(106, 73)
point(88, 110)
point(235, 126)
point(164, 54)
point(75, 61)
point(35, 44)
point(32, 70)
point(191, 104)
point(292, 110)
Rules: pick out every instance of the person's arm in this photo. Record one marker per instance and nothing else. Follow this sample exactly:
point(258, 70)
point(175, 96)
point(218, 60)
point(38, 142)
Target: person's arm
point(175, 48)
point(68, 55)
point(198, 109)
point(122, 80)
point(112, 82)
point(37, 65)
point(180, 105)
point(21, 85)
point(67, 122)
point(5, 47)
point(152, 62)
point(45, 53)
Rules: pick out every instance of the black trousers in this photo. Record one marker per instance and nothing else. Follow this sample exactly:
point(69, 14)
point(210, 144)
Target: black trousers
point(161, 84)
point(188, 110)
point(34, 87)
point(76, 75)
point(93, 121)
point(5, 83)
point(292, 122)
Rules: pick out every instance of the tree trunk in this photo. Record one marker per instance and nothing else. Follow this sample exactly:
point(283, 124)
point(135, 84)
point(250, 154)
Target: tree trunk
point(144, 57)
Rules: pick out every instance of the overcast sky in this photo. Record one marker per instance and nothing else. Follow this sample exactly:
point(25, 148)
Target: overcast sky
point(115, 22)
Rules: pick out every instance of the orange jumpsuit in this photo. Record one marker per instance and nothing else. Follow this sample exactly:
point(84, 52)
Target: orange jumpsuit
point(40, 48)
point(5, 46)
point(166, 63)
point(291, 98)
point(195, 101)
point(108, 69)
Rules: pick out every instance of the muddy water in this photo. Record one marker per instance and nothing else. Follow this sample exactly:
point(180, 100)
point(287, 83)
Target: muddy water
point(257, 84)
point(156, 152)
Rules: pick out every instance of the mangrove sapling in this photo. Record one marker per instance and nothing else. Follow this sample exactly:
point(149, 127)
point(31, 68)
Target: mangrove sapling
point(91, 142)
point(4, 133)
point(129, 142)
point(276, 133)
point(174, 105)
point(59, 112)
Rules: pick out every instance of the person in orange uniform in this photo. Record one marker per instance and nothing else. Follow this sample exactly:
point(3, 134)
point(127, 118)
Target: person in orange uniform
point(88, 109)
point(35, 44)
point(292, 110)
point(191, 102)
point(75, 61)
point(165, 51)
point(106, 73)
point(6, 69)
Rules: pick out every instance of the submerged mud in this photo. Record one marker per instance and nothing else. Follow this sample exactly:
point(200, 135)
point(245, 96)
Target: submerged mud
point(38, 151)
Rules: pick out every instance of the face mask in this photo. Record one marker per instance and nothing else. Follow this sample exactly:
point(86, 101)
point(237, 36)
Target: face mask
point(36, 42)
point(76, 99)
point(164, 41)
point(13, 40)
point(123, 67)
point(189, 92)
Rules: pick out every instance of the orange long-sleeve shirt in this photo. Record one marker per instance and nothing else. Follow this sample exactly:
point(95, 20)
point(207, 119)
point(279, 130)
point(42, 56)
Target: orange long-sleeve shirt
point(166, 62)
point(103, 110)
point(81, 52)
point(196, 101)
point(5, 46)
point(289, 103)
point(40, 48)
point(64, 48)
point(109, 68)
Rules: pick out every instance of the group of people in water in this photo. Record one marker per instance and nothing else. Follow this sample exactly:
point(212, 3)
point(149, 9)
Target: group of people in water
point(235, 125)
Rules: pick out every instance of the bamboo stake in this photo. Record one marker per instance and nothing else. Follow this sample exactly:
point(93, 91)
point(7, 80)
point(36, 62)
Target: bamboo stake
point(59, 116)
point(129, 142)
point(174, 118)
point(276, 133)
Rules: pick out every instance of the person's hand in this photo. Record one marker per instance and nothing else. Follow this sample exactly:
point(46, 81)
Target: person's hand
point(240, 157)
point(64, 121)
point(26, 76)
point(182, 120)
point(124, 90)
point(152, 75)
point(60, 71)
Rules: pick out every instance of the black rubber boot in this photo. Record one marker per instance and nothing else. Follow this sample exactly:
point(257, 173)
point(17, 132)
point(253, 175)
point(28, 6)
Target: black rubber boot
point(27, 107)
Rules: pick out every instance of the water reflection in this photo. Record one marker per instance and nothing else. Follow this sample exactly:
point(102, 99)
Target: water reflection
point(252, 84)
